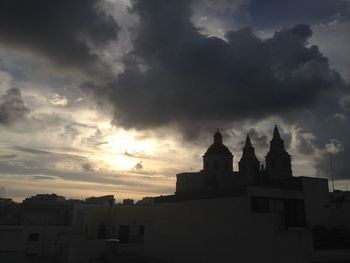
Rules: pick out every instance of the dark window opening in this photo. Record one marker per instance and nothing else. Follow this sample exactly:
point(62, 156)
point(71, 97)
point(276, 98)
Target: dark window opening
point(292, 209)
point(33, 237)
point(294, 213)
point(141, 230)
point(124, 234)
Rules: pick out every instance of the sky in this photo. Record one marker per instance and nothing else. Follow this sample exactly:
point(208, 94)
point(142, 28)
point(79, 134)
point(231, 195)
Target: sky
point(116, 97)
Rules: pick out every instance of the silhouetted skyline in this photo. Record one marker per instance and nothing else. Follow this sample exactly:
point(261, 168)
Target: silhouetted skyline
point(253, 214)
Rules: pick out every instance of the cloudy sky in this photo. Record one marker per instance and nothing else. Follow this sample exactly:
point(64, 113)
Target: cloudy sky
point(116, 96)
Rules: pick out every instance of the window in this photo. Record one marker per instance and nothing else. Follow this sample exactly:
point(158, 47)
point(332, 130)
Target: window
point(33, 237)
point(124, 234)
point(141, 230)
point(292, 209)
point(294, 213)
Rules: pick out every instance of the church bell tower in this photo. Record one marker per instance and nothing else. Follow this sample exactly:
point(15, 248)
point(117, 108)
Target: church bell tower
point(278, 161)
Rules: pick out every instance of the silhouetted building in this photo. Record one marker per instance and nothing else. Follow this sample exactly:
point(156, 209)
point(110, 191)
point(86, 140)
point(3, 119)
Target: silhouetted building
point(107, 200)
point(146, 201)
point(128, 201)
point(218, 173)
point(278, 161)
point(254, 214)
point(9, 212)
point(249, 166)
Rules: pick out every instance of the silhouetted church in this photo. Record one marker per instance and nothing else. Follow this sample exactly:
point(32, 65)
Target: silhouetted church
point(255, 214)
point(218, 172)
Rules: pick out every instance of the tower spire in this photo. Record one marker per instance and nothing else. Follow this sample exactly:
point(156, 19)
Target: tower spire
point(248, 149)
point(248, 143)
point(278, 161)
point(276, 133)
point(276, 144)
point(249, 165)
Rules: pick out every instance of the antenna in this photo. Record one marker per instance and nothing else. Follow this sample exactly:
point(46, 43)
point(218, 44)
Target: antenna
point(331, 169)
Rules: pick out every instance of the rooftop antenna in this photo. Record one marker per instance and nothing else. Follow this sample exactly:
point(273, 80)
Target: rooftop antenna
point(331, 169)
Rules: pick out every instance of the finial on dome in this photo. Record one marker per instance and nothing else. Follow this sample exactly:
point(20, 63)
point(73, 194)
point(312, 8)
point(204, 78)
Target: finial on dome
point(218, 137)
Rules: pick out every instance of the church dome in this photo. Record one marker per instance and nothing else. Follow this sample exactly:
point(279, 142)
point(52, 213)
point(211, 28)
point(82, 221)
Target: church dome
point(218, 147)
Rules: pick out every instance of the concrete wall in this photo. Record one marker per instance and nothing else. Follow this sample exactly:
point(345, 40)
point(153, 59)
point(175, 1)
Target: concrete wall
point(15, 239)
point(316, 200)
point(222, 230)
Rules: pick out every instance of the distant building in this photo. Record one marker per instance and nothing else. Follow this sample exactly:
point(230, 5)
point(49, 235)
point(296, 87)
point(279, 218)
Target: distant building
point(146, 201)
point(128, 201)
point(107, 200)
point(9, 212)
point(44, 198)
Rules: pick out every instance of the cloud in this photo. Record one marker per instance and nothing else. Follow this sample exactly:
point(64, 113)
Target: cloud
point(87, 167)
point(176, 75)
point(3, 192)
point(8, 156)
point(65, 32)
point(12, 107)
point(31, 150)
point(268, 13)
point(138, 166)
point(45, 177)
point(59, 100)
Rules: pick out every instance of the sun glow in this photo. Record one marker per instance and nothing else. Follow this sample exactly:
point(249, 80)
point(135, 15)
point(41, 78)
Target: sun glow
point(123, 149)
point(124, 142)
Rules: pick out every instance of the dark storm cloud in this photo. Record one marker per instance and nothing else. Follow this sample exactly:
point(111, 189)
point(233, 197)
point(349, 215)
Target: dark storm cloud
point(267, 13)
point(260, 141)
point(12, 107)
point(31, 150)
point(87, 167)
point(177, 75)
point(332, 136)
point(62, 31)
point(8, 156)
point(44, 177)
